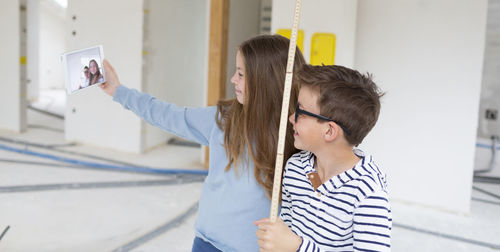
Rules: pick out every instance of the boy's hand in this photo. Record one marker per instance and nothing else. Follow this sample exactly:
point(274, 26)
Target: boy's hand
point(276, 236)
point(112, 81)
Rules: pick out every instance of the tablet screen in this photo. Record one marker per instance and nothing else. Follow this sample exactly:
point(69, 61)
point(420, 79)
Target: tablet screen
point(83, 68)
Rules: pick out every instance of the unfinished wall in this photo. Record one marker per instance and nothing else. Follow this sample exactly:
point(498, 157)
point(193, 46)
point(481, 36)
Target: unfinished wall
point(490, 88)
point(91, 115)
point(428, 59)
point(52, 44)
point(11, 103)
point(244, 23)
point(33, 49)
point(175, 54)
point(331, 16)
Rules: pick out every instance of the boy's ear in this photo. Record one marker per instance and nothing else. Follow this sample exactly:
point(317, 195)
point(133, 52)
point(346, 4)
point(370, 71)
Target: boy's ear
point(332, 132)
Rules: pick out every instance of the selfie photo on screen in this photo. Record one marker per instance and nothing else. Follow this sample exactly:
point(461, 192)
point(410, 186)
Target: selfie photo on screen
point(83, 68)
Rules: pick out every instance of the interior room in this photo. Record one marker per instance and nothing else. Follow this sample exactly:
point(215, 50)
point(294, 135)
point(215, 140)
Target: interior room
point(78, 172)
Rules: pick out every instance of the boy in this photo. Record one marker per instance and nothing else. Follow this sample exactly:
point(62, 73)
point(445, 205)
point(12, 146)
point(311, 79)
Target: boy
point(334, 197)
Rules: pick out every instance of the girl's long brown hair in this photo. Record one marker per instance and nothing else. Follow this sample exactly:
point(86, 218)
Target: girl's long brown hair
point(251, 130)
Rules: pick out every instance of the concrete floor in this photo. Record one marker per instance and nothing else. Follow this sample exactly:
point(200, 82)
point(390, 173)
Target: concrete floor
point(55, 206)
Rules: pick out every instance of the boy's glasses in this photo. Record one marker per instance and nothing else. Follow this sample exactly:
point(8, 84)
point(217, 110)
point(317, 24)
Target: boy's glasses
point(299, 111)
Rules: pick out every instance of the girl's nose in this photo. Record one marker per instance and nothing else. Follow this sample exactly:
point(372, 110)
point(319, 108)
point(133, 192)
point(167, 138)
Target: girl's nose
point(233, 79)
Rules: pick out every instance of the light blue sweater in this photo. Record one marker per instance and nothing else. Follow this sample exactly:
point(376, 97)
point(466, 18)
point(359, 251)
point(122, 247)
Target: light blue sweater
point(230, 202)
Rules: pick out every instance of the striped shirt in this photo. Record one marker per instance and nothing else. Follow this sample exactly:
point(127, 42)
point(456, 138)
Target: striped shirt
point(349, 212)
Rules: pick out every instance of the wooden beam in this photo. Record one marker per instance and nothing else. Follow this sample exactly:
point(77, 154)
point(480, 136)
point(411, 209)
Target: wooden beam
point(217, 54)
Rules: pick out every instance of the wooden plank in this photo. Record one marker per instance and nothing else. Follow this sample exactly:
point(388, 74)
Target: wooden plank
point(217, 54)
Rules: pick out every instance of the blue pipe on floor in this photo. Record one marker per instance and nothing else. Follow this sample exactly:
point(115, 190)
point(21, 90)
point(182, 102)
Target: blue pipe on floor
point(103, 166)
point(128, 168)
point(487, 146)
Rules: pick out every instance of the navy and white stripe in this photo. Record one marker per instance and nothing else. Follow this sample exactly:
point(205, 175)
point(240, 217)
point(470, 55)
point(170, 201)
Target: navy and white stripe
point(350, 212)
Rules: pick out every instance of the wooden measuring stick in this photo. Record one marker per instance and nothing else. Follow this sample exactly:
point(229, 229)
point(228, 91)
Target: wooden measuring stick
point(278, 168)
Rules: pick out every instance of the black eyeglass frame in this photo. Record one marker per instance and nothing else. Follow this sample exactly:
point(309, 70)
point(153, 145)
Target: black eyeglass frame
point(299, 111)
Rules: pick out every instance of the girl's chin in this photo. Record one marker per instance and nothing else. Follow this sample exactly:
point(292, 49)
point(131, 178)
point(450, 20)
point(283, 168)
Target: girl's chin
point(240, 99)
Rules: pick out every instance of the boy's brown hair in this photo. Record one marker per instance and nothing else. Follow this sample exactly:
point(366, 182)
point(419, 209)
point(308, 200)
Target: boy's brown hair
point(345, 95)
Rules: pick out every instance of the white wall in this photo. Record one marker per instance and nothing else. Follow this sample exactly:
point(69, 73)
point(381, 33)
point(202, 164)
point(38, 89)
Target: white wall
point(91, 116)
point(52, 44)
point(11, 102)
point(176, 55)
point(244, 23)
point(33, 49)
point(331, 16)
point(427, 56)
point(490, 91)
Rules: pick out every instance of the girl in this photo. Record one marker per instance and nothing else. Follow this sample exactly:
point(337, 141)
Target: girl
point(95, 74)
point(242, 134)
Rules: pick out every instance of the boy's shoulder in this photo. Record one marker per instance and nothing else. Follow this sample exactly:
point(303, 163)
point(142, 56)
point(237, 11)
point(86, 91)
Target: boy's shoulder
point(300, 161)
point(369, 173)
point(366, 177)
point(301, 156)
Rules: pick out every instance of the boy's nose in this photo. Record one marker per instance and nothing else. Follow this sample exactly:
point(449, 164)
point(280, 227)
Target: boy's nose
point(291, 118)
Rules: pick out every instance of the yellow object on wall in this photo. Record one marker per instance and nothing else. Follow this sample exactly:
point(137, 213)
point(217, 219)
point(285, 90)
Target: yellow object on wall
point(288, 33)
point(323, 49)
point(22, 60)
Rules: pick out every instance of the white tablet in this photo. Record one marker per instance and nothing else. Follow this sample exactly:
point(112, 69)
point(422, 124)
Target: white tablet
point(83, 68)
